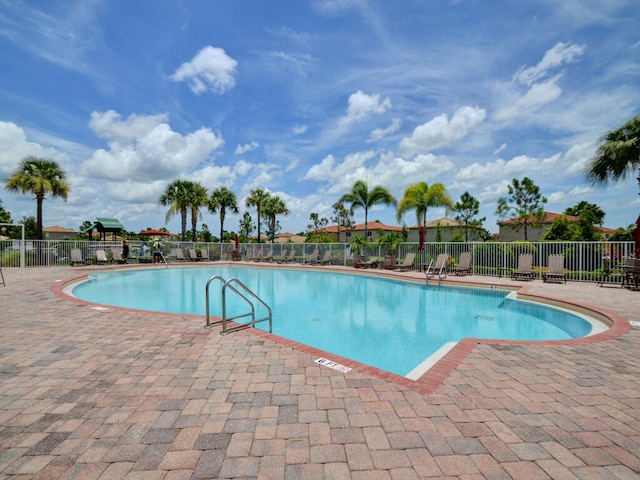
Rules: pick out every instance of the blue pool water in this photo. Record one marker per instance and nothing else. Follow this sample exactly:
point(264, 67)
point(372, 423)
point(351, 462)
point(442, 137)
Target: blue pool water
point(389, 324)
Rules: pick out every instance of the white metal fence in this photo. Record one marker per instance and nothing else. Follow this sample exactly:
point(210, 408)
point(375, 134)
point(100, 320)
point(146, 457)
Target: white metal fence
point(583, 260)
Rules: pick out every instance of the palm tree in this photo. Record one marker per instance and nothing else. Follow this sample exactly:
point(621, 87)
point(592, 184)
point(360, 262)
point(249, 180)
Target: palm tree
point(272, 207)
point(222, 199)
point(198, 197)
point(257, 197)
point(420, 197)
point(361, 197)
point(617, 155)
point(39, 176)
point(176, 196)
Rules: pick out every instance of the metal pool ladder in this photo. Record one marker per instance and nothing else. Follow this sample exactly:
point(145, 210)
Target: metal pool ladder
point(243, 292)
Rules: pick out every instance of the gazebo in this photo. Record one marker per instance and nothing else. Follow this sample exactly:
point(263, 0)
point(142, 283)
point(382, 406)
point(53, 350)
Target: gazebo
point(104, 225)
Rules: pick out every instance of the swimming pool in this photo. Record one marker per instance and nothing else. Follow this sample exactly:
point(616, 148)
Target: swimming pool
point(390, 324)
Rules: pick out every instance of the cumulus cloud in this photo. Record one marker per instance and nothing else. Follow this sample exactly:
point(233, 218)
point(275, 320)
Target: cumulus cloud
point(15, 146)
point(154, 152)
point(300, 129)
point(440, 132)
point(361, 106)
point(493, 173)
point(380, 133)
point(211, 69)
point(247, 147)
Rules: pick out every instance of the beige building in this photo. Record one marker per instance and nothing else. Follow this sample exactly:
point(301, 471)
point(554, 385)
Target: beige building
point(56, 232)
point(509, 232)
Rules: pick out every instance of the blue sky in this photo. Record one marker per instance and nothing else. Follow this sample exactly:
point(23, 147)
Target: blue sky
point(303, 98)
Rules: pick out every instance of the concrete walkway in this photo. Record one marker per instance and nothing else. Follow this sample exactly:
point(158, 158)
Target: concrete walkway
point(89, 393)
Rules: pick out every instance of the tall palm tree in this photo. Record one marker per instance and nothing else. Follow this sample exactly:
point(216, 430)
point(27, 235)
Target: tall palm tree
point(257, 197)
point(40, 176)
point(222, 199)
point(176, 196)
point(617, 155)
point(198, 198)
point(420, 197)
point(361, 197)
point(272, 207)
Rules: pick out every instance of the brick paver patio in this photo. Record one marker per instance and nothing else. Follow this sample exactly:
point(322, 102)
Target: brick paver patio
point(89, 393)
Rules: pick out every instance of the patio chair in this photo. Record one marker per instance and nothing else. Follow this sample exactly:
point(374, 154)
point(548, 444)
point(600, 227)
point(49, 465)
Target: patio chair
point(283, 256)
point(372, 262)
point(632, 274)
point(555, 270)
point(525, 267)
point(257, 256)
point(193, 256)
point(268, 257)
point(292, 256)
point(326, 258)
point(358, 261)
point(204, 254)
point(180, 255)
point(116, 255)
point(439, 266)
point(313, 258)
point(464, 265)
point(101, 257)
point(76, 257)
point(407, 263)
point(609, 274)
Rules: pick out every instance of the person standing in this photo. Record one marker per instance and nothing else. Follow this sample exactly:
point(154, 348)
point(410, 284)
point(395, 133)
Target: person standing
point(157, 251)
point(125, 251)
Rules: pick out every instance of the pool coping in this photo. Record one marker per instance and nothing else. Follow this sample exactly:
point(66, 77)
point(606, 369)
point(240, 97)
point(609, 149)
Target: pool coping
point(434, 376)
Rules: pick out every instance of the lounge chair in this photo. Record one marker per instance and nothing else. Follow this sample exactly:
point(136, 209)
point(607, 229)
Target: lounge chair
point(76, 257)
point(555, 270)
point(358, 261)
point(464, 265)
point(283, 256)
point(313, 258)
point(193, 256)
point(101, 257)
point(372, 262)
point(439, 267)
point(525, 267)
point(257, 256)
point(326, 258)
point(292, 256)
point(407, 263)
point(204, 255)
point(116, 255)
point(268, 257)
point(180, 255)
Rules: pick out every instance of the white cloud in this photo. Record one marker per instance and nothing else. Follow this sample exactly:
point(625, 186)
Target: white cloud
point(15, 146)
point(440, 132)
point(330, 169)
point(110, 125)
point(500, 149)
point(361, 106)
point(491, 173)
point(538, 96)
point(247, 147)
point(146, 148)
point(299, 130)
point(543, 88)
point(211, 69)
point(380, 133)
point(560, 53)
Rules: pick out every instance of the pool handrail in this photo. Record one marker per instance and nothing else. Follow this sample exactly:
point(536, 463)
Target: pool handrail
point(228, 284)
